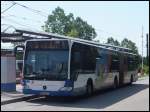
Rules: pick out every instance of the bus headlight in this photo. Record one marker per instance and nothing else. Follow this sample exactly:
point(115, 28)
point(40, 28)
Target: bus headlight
point(66, 89)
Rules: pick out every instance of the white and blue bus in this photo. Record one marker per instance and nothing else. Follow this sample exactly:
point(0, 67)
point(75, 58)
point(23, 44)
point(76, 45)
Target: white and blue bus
point(70, 67)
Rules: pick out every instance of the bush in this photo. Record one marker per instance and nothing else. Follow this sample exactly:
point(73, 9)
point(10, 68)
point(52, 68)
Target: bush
point(146, 69)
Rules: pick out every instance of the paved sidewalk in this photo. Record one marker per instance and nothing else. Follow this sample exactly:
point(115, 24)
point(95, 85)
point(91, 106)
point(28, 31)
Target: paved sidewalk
point(143, 77)
point(11, 97)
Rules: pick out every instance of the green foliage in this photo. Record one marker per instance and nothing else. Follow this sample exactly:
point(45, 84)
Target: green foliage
point(146, 69)
point(60, 23)
point(129, 44)
point(145, 61)
point(111, 41)
point(124, 43)
point(73, 33)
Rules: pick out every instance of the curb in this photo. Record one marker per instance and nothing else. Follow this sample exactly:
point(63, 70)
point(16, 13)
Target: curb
point(142, 78)
point(18, 99)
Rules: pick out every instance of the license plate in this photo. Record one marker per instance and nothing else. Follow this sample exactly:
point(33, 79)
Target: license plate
point(44, 93)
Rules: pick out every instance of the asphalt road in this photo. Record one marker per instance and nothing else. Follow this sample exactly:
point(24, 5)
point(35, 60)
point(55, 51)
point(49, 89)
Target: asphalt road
point(134, 98)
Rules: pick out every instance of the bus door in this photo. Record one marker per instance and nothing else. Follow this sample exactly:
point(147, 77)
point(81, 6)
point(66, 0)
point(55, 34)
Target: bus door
point(121, 70)
point(125, 69)
point(101, 68)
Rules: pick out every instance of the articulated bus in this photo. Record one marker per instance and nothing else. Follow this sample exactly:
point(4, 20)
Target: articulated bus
point(68, 67)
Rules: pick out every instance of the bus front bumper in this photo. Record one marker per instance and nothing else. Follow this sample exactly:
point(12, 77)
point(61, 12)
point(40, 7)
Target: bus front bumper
point(74, 92)
point(48, 93)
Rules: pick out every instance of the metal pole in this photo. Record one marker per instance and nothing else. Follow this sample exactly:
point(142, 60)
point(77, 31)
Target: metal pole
point(147, 46)
point(142, 47)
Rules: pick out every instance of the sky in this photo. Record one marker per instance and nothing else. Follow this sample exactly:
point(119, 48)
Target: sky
point(117, 19)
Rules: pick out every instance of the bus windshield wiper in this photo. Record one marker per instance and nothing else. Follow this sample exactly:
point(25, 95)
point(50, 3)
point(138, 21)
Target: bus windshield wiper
point(34, 74)
point(30, 75)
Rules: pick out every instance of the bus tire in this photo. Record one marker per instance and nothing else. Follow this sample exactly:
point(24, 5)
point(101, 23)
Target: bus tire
point(115, 83)
point(89, 88)
point(131, 79)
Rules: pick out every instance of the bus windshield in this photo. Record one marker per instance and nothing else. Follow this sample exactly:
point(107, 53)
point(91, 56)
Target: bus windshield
point(47, 64)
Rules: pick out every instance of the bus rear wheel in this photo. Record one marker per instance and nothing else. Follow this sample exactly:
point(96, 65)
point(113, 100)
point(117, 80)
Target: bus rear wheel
point(131, 80)
point(115, 83)
point(89, 89)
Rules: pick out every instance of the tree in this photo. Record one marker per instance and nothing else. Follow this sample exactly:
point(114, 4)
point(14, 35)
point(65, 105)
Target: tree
point(111, 41)
point(56, 22)
point(124, 43)
point(73, 33)
point(60, 23)
point(129, 44)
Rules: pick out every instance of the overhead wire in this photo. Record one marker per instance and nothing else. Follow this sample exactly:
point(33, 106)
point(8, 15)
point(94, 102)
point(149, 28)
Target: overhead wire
point(19, 23)
point(8, 8)
point(23, 18)
point(46, 15)
point(31, 9)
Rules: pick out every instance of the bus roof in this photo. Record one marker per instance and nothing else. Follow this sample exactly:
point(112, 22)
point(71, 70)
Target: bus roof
point(57, 36)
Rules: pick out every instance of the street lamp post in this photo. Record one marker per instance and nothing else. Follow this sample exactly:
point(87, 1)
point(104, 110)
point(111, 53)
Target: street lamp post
point(147, 46)
point(142, 47)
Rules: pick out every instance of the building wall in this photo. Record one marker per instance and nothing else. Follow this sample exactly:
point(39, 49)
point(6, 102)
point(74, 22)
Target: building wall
point(8, 73)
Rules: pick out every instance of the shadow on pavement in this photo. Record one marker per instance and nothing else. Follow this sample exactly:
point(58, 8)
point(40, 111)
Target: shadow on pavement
point(99, 100)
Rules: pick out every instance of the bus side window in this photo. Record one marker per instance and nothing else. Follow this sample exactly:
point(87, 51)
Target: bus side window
point(115, 63)
point(98, 65)
point(77, 57)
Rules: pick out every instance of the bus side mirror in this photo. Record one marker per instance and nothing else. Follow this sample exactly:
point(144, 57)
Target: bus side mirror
point(19, 48)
